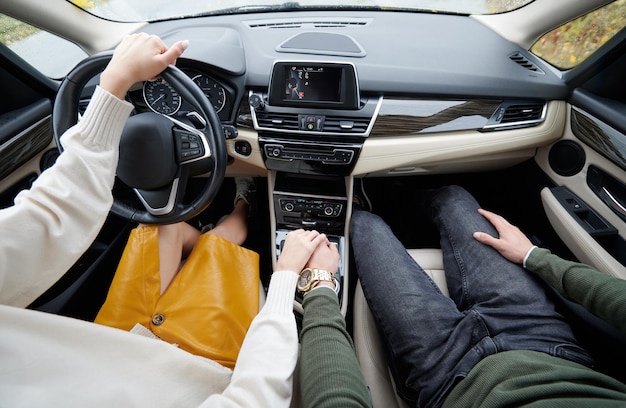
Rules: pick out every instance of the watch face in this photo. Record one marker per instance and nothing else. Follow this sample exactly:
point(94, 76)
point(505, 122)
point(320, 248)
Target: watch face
point(304, 279)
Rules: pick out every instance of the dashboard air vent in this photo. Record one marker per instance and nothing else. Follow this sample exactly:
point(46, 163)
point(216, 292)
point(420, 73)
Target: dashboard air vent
point(82, 106)
point(522, 113)
point(278, 121)
point(517, 114)
point(288, 122)
point(521, 60)
point(309, 23)
point(337, 124)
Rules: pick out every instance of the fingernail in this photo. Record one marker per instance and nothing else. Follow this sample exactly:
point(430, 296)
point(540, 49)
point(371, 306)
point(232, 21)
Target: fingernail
point(185, 44)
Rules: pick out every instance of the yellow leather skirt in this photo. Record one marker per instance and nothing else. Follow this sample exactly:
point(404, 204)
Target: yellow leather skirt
point(207, 308)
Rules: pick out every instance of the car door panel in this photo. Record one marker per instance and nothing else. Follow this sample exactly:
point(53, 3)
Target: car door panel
point(25, 136)
point(606, 255)
point(588, 164)
point(593, 171)
point(597, 173)
point(26, 139)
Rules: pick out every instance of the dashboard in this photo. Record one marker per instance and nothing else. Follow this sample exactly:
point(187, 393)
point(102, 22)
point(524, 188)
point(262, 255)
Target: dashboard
point(321, 93)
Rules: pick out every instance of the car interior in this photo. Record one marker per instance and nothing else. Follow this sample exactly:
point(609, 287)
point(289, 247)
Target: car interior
point(321, 104)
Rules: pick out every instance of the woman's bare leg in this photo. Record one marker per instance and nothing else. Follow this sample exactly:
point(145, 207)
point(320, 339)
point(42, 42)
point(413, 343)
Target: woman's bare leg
point(234, 227)
point(175, 242)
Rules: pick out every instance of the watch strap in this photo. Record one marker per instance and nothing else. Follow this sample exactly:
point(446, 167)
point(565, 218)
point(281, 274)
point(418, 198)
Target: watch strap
point(316, 275)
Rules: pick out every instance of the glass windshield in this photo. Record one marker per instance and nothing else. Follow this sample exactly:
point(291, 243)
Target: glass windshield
point(151, 10)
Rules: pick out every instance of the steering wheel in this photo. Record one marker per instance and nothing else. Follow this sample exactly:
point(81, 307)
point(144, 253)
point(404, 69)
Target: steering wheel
point(158, 154)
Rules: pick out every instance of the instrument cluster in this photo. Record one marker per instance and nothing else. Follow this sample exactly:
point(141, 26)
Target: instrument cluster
point(160, 97)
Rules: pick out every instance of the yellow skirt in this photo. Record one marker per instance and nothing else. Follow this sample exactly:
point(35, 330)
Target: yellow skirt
point(207, 308)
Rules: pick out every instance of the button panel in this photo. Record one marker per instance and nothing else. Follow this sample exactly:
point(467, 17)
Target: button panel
point(189, 146)
point(311, 207)
point(334, 156)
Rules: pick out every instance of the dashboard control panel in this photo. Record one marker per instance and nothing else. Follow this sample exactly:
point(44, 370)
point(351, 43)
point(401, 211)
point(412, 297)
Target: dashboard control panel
point(329, 155)
point(311, 207)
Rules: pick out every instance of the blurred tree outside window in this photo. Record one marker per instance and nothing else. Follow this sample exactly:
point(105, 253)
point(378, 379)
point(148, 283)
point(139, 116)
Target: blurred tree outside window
point(39, 48)
point(570, 44)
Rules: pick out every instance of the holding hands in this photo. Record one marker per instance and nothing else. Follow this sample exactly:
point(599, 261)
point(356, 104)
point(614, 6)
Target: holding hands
point(308, 249)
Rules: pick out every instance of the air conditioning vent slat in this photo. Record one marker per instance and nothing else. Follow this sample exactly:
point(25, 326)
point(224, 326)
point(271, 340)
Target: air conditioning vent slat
point(345, 124)
point(516, 115)
point(524, 62)
point(522, 113)
point(311, 23)
point(331, 124)
point(82, 105)
point(284, 121)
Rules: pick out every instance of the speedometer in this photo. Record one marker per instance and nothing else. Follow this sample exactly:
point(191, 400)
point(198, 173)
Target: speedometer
point(161, 97)
point(212, 90)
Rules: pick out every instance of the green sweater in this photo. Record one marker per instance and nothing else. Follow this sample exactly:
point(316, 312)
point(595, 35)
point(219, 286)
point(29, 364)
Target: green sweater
point(533, 379)
point(329, 373)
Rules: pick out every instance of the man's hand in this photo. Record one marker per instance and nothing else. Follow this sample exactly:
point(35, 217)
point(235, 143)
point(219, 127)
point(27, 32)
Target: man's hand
point(326, 256)
point(139, 57)
point(512, 243)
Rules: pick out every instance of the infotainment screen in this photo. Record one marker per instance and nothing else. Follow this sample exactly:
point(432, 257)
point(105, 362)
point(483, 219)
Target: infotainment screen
point(314, 85)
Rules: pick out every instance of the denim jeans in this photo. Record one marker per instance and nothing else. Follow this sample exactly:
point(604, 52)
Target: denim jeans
point(433, 341)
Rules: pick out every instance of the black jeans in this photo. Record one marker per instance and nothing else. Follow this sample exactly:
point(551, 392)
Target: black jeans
point(433, 341)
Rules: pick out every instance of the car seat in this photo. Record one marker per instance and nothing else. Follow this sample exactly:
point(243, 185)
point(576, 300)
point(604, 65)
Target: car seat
point(369, 350)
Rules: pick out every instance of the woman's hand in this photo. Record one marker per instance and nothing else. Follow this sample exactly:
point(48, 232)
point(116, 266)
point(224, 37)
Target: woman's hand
point(139, 57)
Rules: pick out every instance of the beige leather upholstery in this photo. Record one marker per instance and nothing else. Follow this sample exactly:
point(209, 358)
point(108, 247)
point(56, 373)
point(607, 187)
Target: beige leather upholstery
point(367, 343)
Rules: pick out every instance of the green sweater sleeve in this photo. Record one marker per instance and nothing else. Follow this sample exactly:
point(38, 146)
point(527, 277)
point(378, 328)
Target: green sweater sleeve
point(601, 294)
point(330, 375)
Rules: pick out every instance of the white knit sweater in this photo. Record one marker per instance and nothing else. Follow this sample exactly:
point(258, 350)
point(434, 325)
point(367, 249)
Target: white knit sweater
point(54, 361)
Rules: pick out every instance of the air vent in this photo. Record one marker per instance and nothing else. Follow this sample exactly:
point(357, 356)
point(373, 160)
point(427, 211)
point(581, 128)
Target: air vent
point(278, 121)
point(337, 124)
point(82, 106)
point(287, 122)
point(522, 113)
point(309, 23)
point(517, 114)
point(521, 60)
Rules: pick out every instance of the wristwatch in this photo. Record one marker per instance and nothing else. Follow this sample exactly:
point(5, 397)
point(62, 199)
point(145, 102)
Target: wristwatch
point(310, 276)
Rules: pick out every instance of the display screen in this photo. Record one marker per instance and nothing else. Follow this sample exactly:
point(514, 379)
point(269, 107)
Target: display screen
point(312, 83)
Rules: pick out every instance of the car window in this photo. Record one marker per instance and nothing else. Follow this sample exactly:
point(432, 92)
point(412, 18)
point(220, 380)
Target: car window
point(40, 48)
point(570, 44)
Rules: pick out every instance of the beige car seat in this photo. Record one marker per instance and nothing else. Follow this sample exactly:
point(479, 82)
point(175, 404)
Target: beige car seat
point(367, 342)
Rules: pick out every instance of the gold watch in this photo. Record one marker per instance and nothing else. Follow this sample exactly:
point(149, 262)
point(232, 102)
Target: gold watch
point(310, 276)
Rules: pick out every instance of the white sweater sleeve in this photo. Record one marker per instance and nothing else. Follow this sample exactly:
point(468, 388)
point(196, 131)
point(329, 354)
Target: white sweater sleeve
point(263, 375)
point(52, 224)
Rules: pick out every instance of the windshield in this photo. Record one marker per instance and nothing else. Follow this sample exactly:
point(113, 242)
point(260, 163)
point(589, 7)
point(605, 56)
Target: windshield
point(151, 10)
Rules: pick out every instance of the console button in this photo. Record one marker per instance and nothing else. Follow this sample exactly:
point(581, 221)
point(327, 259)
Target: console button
point(243, 148)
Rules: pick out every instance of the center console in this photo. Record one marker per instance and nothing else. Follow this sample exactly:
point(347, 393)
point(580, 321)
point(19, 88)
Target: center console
point(311, 126)
point(312, 202)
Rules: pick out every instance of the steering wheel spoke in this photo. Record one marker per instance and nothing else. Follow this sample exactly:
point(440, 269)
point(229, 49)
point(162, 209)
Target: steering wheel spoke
point(160, 201)
point(192, 145)
point(163, 201)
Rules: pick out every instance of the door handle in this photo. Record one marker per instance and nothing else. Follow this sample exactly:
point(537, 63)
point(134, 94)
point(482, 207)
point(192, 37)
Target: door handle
point(614, 202)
